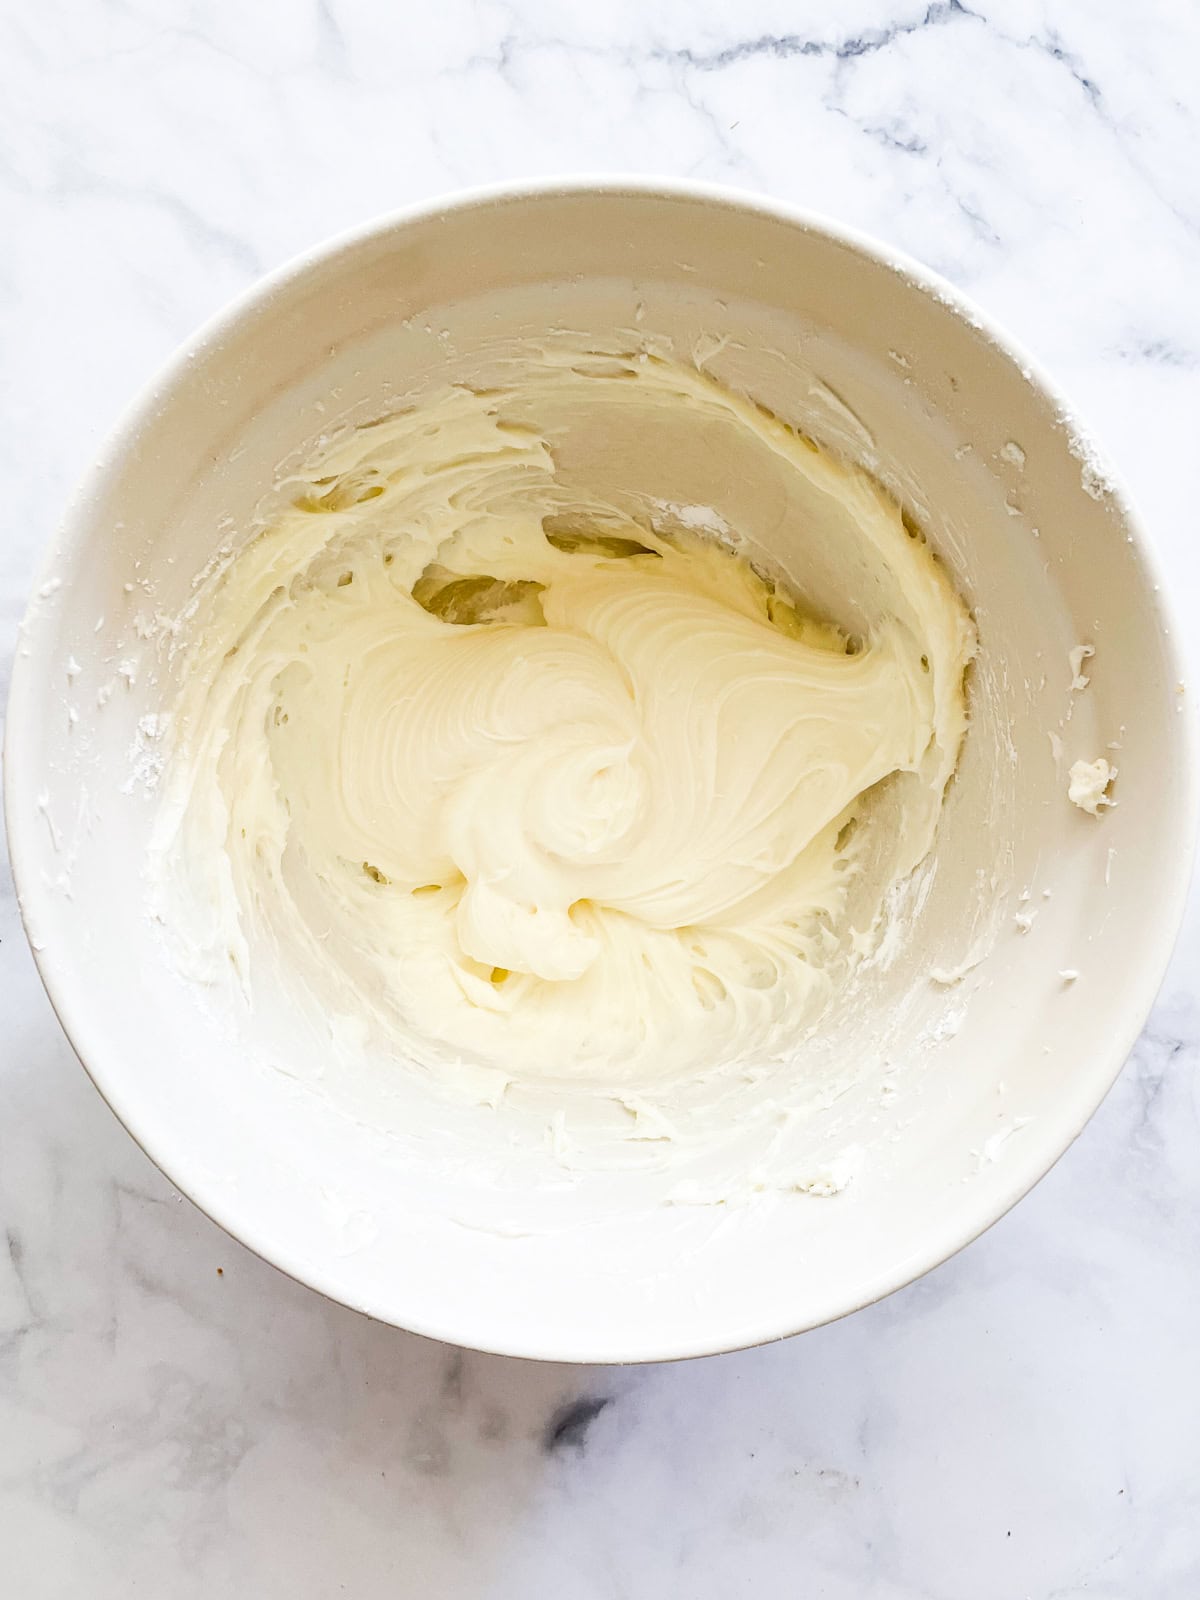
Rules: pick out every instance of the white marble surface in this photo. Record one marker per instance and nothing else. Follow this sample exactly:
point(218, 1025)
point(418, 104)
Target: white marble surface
point(178, 1420)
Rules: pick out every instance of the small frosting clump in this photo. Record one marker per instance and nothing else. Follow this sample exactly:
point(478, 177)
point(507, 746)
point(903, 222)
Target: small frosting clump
point(1089, 783)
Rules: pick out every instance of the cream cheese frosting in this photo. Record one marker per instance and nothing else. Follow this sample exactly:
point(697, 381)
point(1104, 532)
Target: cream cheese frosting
point(553, 777)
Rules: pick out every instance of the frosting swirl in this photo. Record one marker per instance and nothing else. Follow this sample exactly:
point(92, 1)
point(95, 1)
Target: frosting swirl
point(543, 776)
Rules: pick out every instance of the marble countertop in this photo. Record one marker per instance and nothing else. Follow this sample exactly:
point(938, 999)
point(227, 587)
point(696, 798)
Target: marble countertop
point(176, 1418)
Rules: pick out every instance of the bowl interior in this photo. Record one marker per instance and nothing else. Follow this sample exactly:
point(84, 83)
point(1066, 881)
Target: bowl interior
point(947, 1096)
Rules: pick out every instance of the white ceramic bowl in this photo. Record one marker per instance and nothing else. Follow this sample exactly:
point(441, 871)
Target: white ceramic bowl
point(958, 1097)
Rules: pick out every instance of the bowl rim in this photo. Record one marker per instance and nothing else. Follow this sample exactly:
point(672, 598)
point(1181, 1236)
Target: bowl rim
point(68, 1000)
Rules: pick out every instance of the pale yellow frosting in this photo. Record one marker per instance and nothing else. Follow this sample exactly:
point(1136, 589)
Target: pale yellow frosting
point(554, 781)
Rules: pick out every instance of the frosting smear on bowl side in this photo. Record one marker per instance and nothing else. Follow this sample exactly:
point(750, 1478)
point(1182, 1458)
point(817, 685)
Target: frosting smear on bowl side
point(537, 774)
